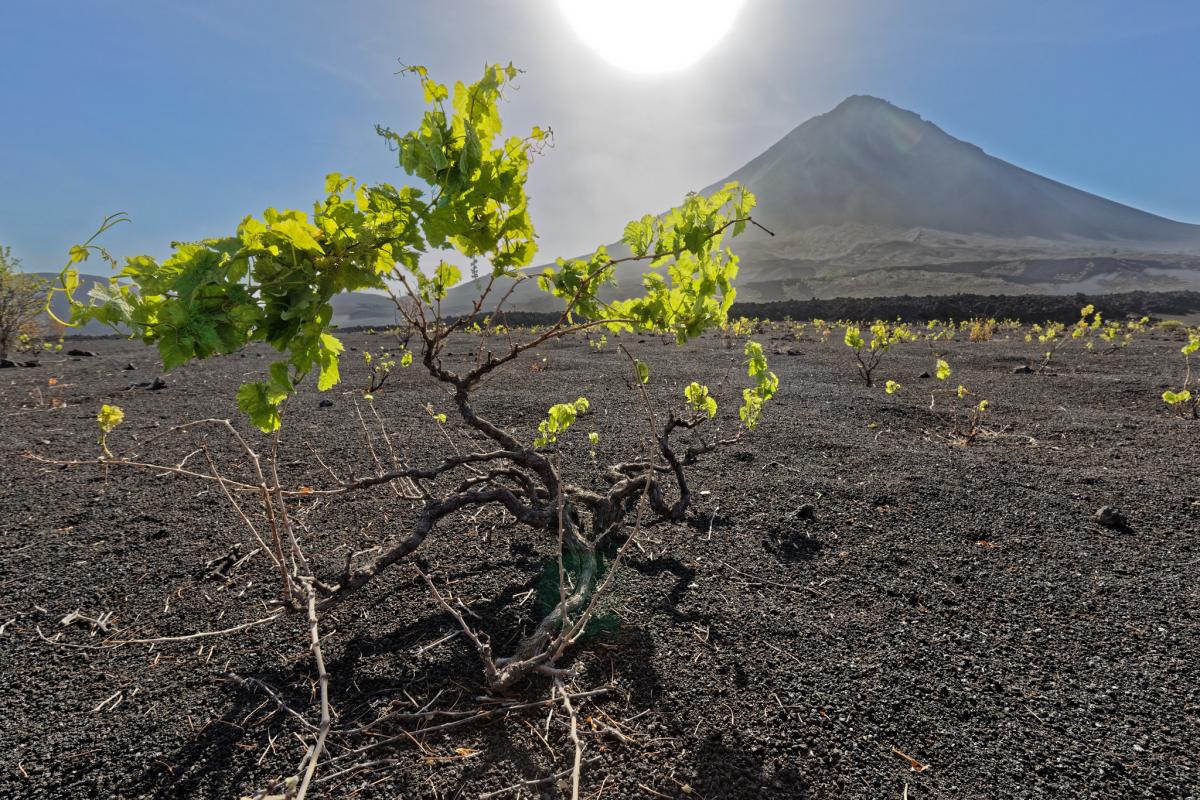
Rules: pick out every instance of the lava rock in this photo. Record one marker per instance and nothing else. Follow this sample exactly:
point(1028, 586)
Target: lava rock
point(155, 385)
point(924, 376)
point(128, 367)
point(8, 364)
point(1110, 517)
point(1024, 369)
point(82, 353)
point(806, 512)
point(326, 403)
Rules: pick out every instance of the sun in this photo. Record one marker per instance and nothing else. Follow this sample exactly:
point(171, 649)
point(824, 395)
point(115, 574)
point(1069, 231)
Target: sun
point(650, 37)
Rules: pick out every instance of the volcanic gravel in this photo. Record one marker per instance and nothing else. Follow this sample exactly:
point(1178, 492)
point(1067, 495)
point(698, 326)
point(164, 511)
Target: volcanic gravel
point(856, 607)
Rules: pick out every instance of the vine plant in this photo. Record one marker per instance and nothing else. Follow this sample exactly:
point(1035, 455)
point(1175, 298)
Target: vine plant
point(867, 355)
point(967, 414)
point(273, 279)
point(1054, 337)
point(1185, 402)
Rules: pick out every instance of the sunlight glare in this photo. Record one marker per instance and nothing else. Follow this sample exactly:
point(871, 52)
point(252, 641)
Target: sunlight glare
point(651, 36)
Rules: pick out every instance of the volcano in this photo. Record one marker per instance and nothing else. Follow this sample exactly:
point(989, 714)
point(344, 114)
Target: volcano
point(870, 163)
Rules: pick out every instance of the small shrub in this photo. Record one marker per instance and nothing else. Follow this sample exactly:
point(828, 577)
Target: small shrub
point(982, 330)
point(1185, 401)
point(22, 300)
point(867, 355)
point(967, 412)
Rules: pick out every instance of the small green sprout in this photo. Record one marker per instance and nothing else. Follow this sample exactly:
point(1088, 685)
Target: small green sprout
point(701, 401)
point(867, 355)
point(1175, 398)
point(1185, 403)
point(765, 384)
point(560, 417)
point(108, 419)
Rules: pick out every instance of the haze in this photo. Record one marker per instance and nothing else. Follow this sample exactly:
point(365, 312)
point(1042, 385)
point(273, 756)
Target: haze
point(189, 116)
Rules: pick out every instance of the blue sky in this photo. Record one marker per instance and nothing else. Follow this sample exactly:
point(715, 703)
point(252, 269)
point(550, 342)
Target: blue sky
point(188, 115)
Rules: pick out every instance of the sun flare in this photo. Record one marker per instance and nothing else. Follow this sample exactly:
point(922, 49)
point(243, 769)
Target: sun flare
point(651, 36)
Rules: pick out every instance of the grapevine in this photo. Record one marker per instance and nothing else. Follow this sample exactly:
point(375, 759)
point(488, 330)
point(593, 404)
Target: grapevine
point(272, 280)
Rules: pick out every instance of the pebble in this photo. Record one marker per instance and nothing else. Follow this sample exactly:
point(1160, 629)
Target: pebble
point(1110, 517)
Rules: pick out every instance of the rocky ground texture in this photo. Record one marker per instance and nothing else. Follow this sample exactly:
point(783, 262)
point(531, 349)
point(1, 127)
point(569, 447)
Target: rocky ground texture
point(857, 606)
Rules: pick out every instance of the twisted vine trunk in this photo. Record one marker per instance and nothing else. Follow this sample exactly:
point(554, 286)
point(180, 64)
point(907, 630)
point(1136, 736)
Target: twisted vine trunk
point(540, 647)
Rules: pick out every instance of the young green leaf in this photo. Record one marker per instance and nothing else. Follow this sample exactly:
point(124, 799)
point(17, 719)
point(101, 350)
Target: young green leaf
point(699, 398)
point(109, 418)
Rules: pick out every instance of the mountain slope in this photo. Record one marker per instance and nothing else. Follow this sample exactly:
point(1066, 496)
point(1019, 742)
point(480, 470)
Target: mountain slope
point(870, 199)
point(871, 163)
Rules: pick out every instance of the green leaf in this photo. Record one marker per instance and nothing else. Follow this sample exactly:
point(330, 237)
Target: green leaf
point(328, 350)
point(643, 371)
point(1175, 398)
point(299, 234)
point(445, 277)
point(700, 399)
point(109, 418)
point(253, 400)
point(279, 385)
point(639, 235)
point(472, 154)
point(560, 417)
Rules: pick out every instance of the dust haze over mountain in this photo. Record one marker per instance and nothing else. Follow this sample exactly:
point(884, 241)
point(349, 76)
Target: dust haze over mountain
point(870, 199)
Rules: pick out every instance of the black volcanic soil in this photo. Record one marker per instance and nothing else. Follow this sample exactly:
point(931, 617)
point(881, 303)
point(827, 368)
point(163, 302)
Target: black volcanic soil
point(955, 604)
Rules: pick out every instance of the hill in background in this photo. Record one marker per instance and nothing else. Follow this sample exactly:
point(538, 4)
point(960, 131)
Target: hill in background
point(872, 200)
